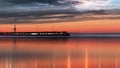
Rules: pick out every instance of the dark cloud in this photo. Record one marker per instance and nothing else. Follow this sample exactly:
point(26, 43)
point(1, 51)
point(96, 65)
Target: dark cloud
point(32, 8)
point(28, 1)
point(16, 8)
point(25, 2)
point(25, 8)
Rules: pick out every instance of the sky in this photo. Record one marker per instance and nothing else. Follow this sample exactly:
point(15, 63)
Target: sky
point(97, 5)
point(116, 2)
point(67, 15)
point(15, 8)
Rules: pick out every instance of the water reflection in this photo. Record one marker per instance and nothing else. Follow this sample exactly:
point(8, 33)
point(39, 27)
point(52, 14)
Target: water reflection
point(60, 53)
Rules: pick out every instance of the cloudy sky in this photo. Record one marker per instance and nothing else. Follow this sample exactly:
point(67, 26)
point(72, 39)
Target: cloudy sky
point(64, 14)
point(41, 7)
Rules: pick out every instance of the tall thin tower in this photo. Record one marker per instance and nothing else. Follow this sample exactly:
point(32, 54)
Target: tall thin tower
point(15, 25)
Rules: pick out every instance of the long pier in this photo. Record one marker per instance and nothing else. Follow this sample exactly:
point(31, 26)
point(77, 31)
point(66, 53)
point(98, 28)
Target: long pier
point(57, 35)
point(34, 35)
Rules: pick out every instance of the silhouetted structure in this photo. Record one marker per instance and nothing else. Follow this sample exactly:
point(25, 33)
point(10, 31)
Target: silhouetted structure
point(35, 34)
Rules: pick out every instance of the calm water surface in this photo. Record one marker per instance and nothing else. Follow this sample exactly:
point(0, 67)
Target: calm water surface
point(60, 53)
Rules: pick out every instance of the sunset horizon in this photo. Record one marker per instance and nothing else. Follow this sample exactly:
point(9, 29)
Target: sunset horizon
point(59, 33)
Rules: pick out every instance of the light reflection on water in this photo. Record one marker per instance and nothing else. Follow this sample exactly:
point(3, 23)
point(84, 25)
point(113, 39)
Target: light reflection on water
point(62, 53)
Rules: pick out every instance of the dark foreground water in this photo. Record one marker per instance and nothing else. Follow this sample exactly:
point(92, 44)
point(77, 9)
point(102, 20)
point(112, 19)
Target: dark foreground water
point(60, 53)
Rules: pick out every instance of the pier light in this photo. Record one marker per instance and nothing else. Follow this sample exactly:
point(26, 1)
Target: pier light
point(26, 34)
point(42, 33)
point(61, 33)
point(16, 33)
point(46, 33)
point(49, 33)
point(34, 33)
point(20, 33)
